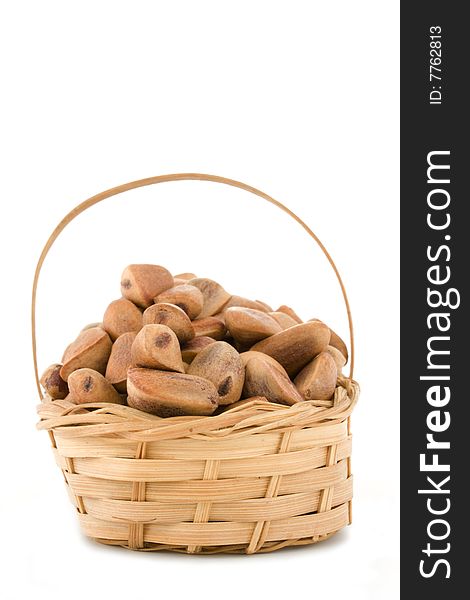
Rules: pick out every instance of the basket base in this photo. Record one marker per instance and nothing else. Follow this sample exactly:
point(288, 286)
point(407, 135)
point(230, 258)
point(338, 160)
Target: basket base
point(240, 549)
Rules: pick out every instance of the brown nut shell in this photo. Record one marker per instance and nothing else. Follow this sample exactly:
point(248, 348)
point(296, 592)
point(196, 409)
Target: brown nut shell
point(141, 283)
point(248, 355)
point(285, 321)
point(245, 303)
point(287, 310)
point(266, 306)
point(220, 316)
point(262, 378)
point(90, 350)
point(87, 385)
point(211, 327)
point(173, 317)
point(170, 394)
point(120, 317)
point(69, 400)
point(188, 297)
point(317, 381)
point(157, 347)
point(336, 342)
point(53, 383)
point(119, 361)
point(337, 356)
point(186, 276)
point(247, 325)
point(193, 347)
point(296, 346)
point(213, 293)
point(221, 364)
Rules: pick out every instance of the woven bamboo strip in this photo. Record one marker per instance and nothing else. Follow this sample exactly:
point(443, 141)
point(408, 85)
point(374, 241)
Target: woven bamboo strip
point(109, 419)
point(211, 470)
point(261, 509)
point(70, 468)
point(122, 469)
point(221, 533)
point(221, 510)
point(138, 430)
point(318, 460)
point(222, 490)
point(229, 549)
point(349, 470)
point(191, 449)
point(326, 496)
point(136, 529)
point(259, 533)
point(62, 469)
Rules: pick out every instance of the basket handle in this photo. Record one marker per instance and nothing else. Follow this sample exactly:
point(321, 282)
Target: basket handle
point(161, 179)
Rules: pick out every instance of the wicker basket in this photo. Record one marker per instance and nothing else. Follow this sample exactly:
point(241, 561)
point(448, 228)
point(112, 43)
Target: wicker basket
point(252, 479)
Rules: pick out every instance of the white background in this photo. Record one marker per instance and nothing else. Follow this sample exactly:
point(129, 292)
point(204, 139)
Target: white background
point(299, 99)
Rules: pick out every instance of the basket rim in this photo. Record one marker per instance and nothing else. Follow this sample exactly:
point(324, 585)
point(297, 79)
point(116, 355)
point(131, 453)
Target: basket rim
point(104, 419)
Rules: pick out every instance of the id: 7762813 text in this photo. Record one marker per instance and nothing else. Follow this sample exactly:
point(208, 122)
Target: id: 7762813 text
point(435, 64)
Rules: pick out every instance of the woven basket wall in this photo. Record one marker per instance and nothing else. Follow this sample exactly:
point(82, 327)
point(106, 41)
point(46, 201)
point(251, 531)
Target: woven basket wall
point(253, 479)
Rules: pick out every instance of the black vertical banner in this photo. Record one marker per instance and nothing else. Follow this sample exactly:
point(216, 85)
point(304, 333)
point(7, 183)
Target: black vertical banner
point(435, 328)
